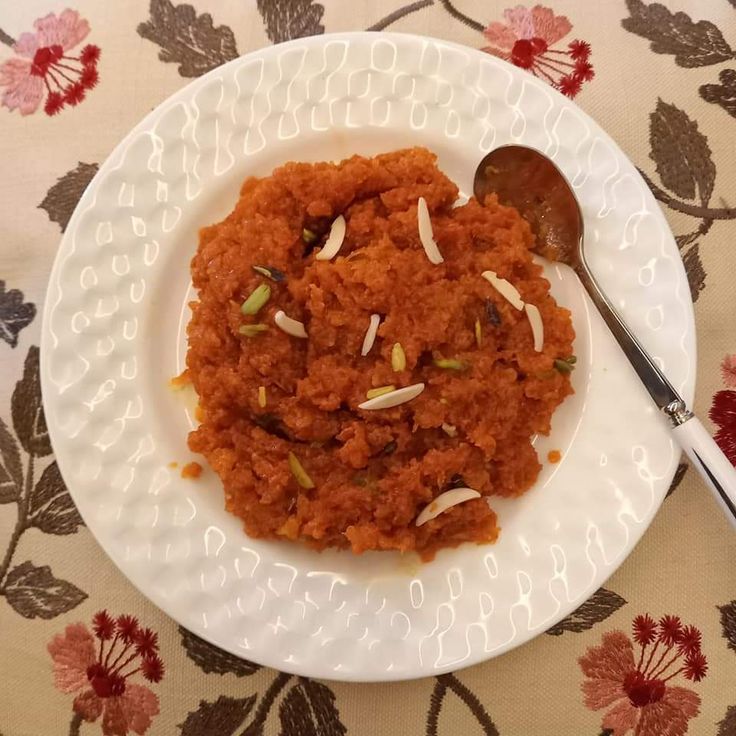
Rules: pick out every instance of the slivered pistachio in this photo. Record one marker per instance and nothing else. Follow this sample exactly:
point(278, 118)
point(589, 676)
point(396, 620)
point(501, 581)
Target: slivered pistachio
point(492, 313)
point(360, 480)
point(380, 391)
point(562, 366)
point(398, 357)
point(252, 330)
point(259, 296)
point(390, 448)
point(450, 364)
point(297, 470)
point(270, 272)
point(262, 396)
point(571, 360)
point(478, 334)
point(308, 236)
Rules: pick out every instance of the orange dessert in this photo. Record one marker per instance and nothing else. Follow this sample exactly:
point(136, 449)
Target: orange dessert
point(191, 470)
point(371, 361)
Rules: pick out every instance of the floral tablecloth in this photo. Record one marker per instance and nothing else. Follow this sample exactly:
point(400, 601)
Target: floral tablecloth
point(82, 652)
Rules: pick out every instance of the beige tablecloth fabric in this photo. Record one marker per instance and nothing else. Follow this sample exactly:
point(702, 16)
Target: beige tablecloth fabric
point(664, 88)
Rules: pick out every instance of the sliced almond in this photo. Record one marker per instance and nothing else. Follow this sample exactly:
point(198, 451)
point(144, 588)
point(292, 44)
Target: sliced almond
point(334, 240)
point(445, 501)
point(449, 429)
point(505, 288)
point(393, 398)
point(290, 326)
point(535, 320)
point(425, 233)
point(370, 334)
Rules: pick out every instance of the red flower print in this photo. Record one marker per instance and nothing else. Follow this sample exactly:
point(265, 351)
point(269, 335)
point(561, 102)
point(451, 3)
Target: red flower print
point(728, 370)
point(100, 674)
point(723, 415)
point(636, 689)
point(526, 40)
point(43, 66)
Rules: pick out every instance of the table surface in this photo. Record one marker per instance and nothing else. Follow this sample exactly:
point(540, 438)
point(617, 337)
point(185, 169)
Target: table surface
point(664, 87)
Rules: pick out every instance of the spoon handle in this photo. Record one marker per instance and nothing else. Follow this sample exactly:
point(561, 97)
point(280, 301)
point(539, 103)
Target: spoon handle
point(704, 453)
point(710, 462)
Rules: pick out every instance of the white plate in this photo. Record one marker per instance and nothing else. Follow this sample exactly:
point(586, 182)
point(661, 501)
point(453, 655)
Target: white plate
point(114, 335)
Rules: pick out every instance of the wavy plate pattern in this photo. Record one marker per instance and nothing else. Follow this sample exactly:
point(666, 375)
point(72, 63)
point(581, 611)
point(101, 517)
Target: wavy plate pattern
point(114, 334)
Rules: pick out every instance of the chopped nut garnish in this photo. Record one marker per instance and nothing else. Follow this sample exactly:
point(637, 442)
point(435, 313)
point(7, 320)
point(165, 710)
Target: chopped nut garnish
point(451, 364)
point(290, 326)
point(445, 501)
point(565, 366)
point(297, 470)
point(535, 322)
point(380, 391)
point(370, 334)
point(505, 288)
point(392, 398)
point(260, 295)
point(478, 334)
point(252, 330)
point(262, 396)
point(425, 233)
point(334, 240)
point(398, 357)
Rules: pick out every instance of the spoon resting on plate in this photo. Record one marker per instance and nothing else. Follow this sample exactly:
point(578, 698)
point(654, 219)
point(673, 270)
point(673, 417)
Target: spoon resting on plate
point(529, 181)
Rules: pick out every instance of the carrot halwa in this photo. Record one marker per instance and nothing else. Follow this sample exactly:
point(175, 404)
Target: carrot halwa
point(275, 345)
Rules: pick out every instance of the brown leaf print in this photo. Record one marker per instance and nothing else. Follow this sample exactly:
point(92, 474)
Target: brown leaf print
point(728, 623)
point(34, 592)
point(681, 153)
point(255, 727)
point(15, 314)
point(469, 699)
point(63, 196)
point(11, 472)
point(51, 508)
point(287, 19)
point(309, 710)
point(693, 44)
point(723, 94)
point(192, 41)
point(223, 717)
point(29, 420)
point(679, 475)
point(727, 726)
point(597, 608)
point(211, 659)
point(695, 272)
point(400, 13)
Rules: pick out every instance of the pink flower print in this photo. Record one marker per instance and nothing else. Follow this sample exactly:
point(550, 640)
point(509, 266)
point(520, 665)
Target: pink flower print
point(43, 66)
point(728, 370)
point(99, 666)
point(636, 690)
point(526, 40)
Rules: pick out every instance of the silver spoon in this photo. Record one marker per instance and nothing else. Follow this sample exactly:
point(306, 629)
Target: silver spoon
point(528, 180)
